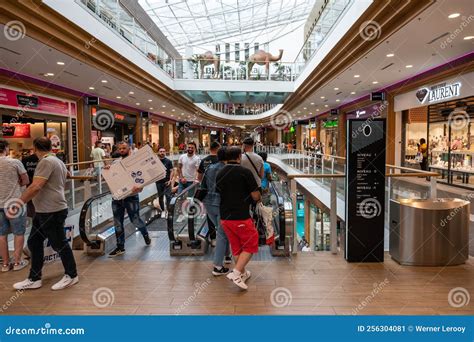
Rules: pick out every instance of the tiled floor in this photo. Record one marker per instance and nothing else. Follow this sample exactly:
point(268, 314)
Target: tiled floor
point(308, 284)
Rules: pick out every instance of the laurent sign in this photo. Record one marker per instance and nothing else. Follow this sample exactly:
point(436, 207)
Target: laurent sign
point(438, 92)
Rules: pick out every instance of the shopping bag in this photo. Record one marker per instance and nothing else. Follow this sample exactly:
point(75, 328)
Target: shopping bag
point(265, 215)
point(419, 157)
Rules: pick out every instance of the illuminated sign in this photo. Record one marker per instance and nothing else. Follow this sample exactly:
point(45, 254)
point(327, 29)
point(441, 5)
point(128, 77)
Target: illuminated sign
point(439, 92)
point(360, 112)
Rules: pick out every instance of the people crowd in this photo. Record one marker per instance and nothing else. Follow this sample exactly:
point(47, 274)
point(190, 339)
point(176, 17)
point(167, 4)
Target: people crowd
point(231, 180)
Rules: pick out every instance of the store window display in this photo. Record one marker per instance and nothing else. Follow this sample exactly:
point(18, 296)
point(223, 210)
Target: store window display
point(451, 142)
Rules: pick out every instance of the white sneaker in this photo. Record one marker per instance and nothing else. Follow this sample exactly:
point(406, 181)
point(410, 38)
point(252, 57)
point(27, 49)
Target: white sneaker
point(230, 275)
point(246, 275)
point(21, 265)
point(240, 282)
point(28, 284)
point(66, 281)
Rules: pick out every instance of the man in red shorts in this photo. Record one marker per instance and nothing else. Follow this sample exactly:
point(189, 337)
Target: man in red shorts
point(237, 188)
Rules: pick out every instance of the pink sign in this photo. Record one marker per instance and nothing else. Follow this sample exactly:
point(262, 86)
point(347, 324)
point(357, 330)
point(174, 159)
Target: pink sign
point(25, 101)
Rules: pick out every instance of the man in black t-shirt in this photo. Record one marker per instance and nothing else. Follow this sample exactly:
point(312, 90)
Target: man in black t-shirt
point(163, 185)
point(205, 163)
point(237, 188)
point(30, 162)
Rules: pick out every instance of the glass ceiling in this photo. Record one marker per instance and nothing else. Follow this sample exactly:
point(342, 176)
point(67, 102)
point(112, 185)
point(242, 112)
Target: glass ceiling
point(204, 23)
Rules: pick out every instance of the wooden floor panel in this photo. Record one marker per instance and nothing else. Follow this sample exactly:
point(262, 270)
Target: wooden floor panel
point(308, 284)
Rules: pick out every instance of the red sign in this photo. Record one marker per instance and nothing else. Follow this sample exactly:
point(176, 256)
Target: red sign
point(16, 130)
point(10, 98)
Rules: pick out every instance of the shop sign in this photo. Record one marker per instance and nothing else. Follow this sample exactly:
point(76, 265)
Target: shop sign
point(24, 102)
point(330, 124)
point(16, 131)
point(439, 92)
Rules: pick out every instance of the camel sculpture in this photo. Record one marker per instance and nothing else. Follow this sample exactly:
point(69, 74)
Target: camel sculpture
point(262, 58)
point(208, 58)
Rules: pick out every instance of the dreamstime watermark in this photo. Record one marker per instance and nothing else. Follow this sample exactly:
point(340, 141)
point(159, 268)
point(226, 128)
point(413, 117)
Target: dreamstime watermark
point(465, 22)
point(103, 297)
point(378, 287)
point(187, 126)
point(103, 119)
point(47, 329)
point(16, 207)
point(281, 297)
point(281, 120)
point(459, 297)
point(103, 207)
point(199, 288)
point(458, 120)
point(192, 207)
point(14, 30)
point(370, 208)
point(370, 30)
point(89, 43)
point(9, 302)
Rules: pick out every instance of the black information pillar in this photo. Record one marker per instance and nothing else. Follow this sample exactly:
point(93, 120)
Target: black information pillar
point(365, 190)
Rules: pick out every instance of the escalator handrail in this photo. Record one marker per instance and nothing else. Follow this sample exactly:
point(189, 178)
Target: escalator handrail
point(83, 217)
point(172, 206)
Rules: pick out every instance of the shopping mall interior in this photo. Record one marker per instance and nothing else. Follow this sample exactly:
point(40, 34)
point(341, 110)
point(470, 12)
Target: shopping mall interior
point(361, 109)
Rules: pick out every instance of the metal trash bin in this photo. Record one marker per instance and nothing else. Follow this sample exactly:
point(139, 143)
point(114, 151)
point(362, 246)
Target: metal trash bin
point(429, 232)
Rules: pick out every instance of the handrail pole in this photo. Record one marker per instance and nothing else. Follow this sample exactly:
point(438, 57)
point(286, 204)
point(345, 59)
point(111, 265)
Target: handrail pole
point(73, 194)
point(293, 196)
point(333, 216)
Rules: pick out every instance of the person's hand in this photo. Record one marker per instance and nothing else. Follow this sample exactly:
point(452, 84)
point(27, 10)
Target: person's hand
point(183, 180)
point(107, 167)
point(136, 189)
point(168, 183)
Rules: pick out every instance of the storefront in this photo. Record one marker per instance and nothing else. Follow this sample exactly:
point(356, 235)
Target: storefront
point(449, 108)
point(121, 129)
point(329, 134)
point(25, 116)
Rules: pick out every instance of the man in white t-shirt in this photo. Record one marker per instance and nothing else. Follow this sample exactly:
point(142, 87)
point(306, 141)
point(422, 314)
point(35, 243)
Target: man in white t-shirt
point(97, 154)
point(188, 165)
point(252, 161)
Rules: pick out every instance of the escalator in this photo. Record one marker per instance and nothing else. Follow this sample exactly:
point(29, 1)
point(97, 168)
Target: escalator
point(96, 224)
point(187, 228)
point(282, 219)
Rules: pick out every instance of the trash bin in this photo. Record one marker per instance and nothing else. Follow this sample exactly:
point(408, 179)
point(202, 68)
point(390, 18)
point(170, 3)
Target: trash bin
point(429, 232)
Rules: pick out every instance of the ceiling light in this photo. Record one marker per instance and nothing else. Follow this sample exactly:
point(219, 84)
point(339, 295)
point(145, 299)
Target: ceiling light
point(119, 97)
point(91, 88)
point(162, 112)
point(356, 76)
point(131, 92)
point(336, 88)
point(390, 54)
point(338, 100)
point(299, 112)
point(104, 81)
point(304, 108)
point(468, 37)
point(150, 100)
point(409, 66)
point(312, 103)
point(182, 113)
point(317, 109)
point(322, 97)
point(138, 103)
point(48, 74)
point(326, 106)
point(164, 106)
point(374, 82)
point(60, 63)
point(453, 15)
point(173, 110)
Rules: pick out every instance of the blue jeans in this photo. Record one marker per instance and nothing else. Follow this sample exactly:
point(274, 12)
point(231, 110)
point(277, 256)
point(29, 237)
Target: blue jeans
point(163, 190)
point(183, 186)
point(222, 243)
point(132, 205)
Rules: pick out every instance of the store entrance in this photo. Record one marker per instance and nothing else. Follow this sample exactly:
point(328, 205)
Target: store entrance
point(21, 130)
